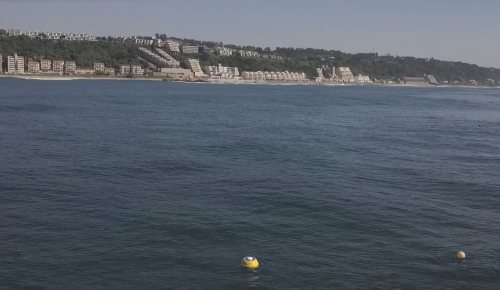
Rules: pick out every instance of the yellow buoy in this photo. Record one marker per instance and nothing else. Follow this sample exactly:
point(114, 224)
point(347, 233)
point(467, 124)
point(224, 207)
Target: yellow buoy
point(461, 255)
point(250, 263)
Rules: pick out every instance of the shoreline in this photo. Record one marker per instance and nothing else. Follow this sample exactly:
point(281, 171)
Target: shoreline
point(230, 81)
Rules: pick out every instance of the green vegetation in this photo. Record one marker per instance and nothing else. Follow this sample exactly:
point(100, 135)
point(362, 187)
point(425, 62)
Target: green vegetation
point(85, 53)
point(381, 67)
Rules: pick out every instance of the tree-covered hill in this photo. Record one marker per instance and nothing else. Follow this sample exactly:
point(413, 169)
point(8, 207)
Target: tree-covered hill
point(85, 53)
point(382, 67)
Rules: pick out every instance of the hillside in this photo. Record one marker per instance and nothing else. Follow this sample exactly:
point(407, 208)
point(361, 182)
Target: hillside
point(380, 67)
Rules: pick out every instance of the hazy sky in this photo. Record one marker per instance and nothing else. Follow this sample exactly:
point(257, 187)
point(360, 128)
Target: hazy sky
point(462, 30)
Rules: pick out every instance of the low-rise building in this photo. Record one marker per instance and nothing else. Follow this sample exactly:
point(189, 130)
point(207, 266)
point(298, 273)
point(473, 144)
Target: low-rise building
point(84, 71)
point(69, 67)
point(137, 70)
point(173, 47)
point(33, 66)
point(125, 70)
point(362, 79)
point(45, 65)
point(248, 53)
point(190, 49)
point(175, 74)
point(109, 71)
point(223, 51)
point(99, 67)
point(415, 81)
point(58, 66)
point(223, 72)
point(274, 76)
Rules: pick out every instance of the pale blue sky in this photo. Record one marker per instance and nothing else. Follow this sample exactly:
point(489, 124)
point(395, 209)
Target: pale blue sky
point(462, 30)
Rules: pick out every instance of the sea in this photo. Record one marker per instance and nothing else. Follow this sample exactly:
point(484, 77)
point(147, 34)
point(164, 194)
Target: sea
point(158, 185)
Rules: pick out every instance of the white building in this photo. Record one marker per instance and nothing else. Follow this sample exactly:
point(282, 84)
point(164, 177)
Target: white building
point(344, 74)
point(362, 79)
point(45, 65)
point(173, 47)
point(58, 66)
point(195, 67)
point(1, 63)
point(137, 70)
point(33, 66)
point(84, 71)
point(69, 67)
point(99, 67)
point(15, 64)
point(190, 49)
point(223, 51)
point(248, 53)
point(20, 64)
point(124, 70)
point(109, 71)
point(274, 76)
point(223, 72)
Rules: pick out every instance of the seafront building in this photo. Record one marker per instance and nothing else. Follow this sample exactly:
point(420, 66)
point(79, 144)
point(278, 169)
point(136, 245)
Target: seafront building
point(175, 74)
point(195, 67)
point(222, 72)
point(248, 53)
point(84, 71)
point(344, 74)
point(362, 79)
point(124, 70)
point(1, 63)
point(70, 67)
point(274, 76)
point(33, 66)
point(58, 66)
point(45, 65)
point(15, 64)
point(99, 67)
point(137, 70)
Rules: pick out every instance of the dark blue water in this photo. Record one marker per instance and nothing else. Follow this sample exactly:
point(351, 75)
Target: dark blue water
point(150, 185)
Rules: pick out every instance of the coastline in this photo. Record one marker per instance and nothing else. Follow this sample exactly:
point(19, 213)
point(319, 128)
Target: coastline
point(230, 81)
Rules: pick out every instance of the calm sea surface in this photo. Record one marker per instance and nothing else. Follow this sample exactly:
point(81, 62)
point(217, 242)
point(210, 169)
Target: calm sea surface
point(151, 185)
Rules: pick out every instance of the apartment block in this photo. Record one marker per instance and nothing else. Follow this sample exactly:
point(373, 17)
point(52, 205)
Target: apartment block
point(187, 49)
point(11, 65)
point(20, 64)
point(58, 66)
point(124, 70)
point(195, 67)
point(99, 67)
point(274, 76)
point(33, 66)
point(137, 70)
point(223, 51)
point(84, 71)
point(45, 65)
point(109, 71)
point(173, 47)
point(69, 67)
point(1, 63)
point(223, 72)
